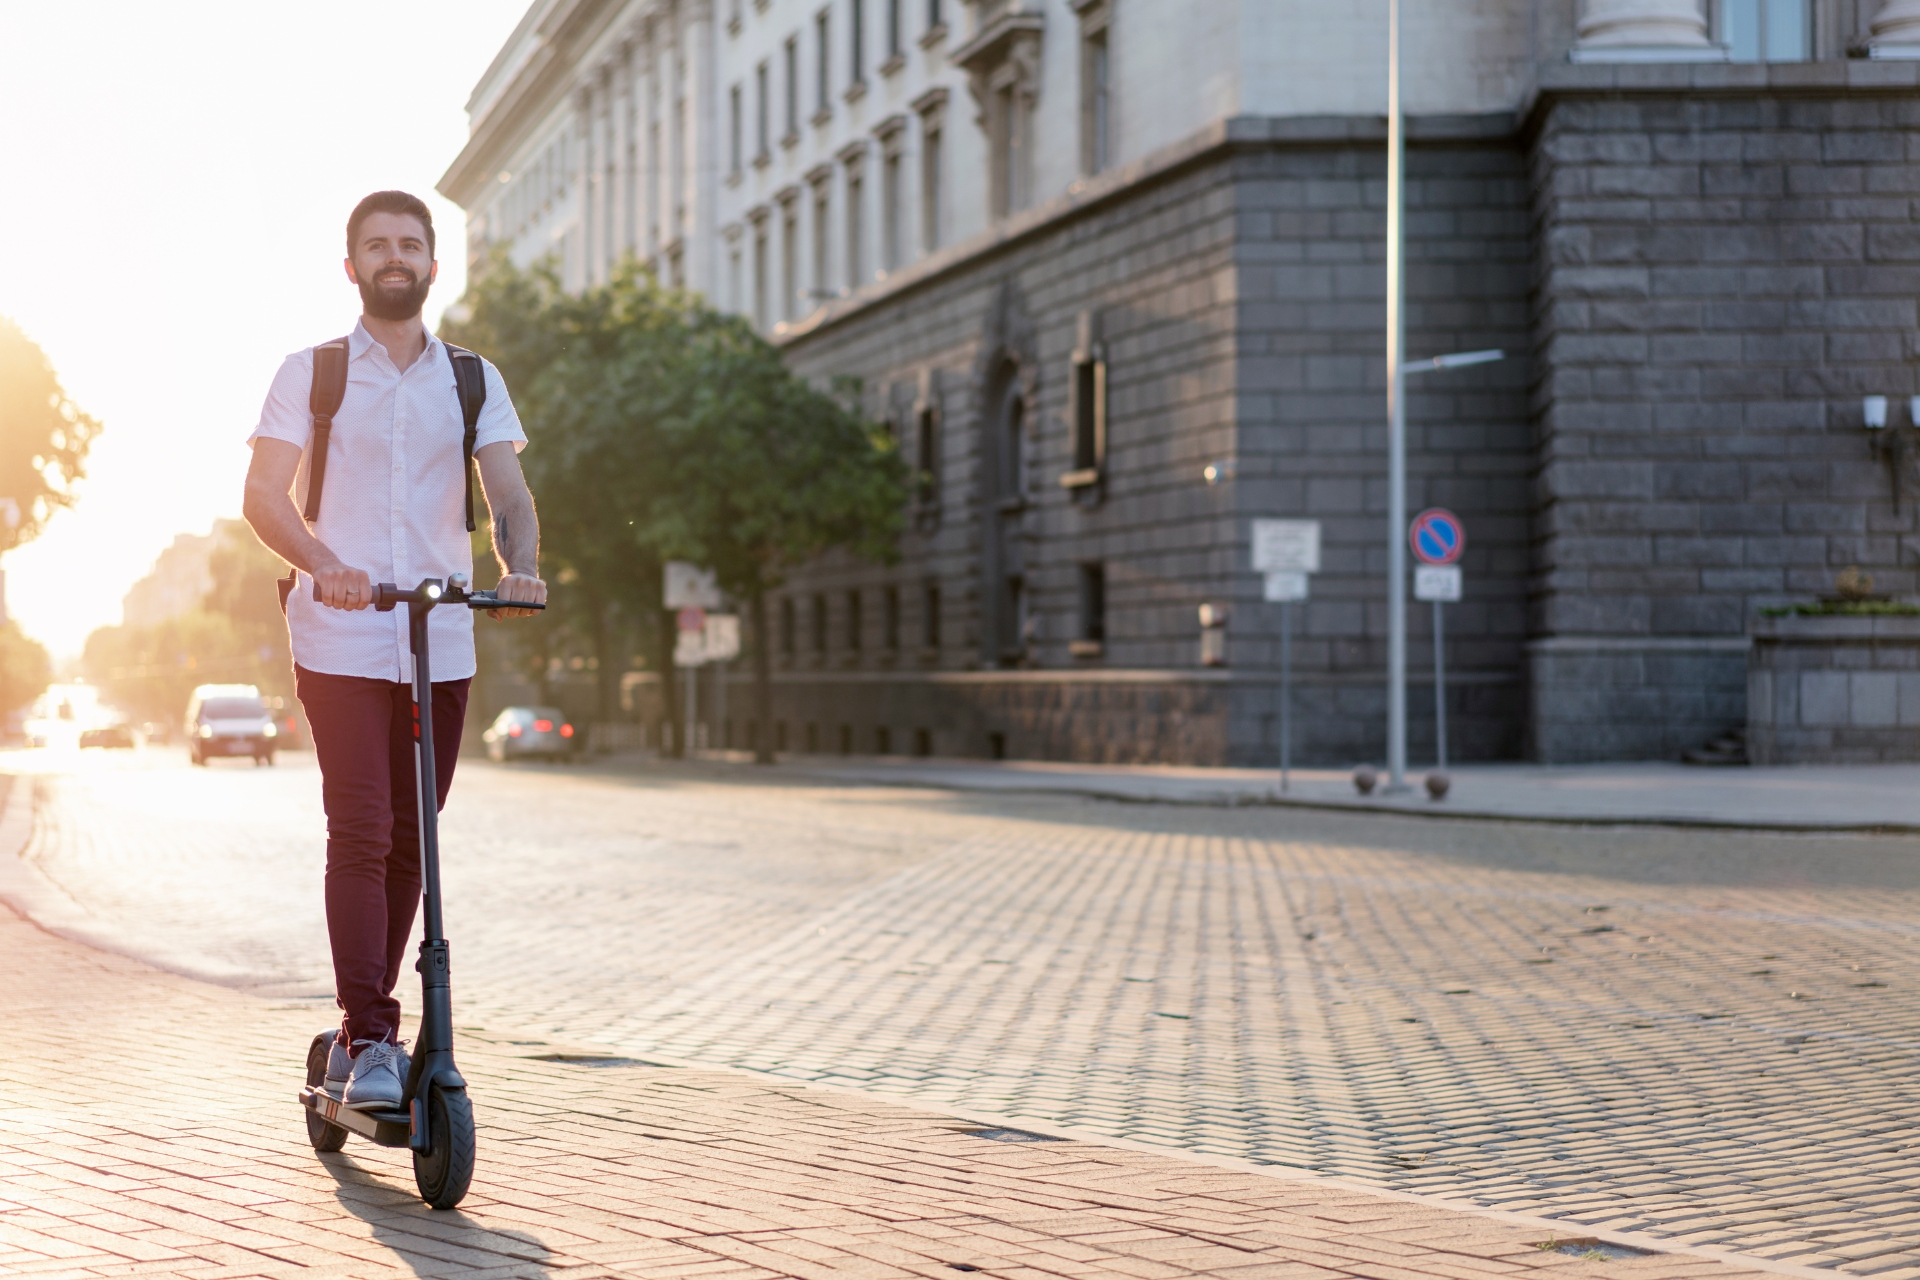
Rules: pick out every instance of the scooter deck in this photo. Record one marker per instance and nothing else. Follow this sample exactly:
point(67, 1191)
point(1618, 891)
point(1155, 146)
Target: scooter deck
point(386, 1128)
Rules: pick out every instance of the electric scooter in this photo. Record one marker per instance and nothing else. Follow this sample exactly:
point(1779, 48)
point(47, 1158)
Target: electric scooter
point(435, 1116)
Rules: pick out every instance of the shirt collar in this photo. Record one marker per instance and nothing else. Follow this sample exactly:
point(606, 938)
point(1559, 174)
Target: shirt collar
point(359, 342)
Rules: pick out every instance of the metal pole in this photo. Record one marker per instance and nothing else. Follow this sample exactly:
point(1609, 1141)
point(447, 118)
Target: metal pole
point(1439, 691)
point(1286, 691)
point(1396, 422)
point(693, 718)
point(720, 703)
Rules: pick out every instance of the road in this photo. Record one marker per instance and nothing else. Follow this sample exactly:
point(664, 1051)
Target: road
point(1709, 1035)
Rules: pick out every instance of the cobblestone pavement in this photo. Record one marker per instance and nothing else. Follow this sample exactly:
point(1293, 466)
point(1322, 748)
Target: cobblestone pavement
point(123, 1154)
point(1710, 1036)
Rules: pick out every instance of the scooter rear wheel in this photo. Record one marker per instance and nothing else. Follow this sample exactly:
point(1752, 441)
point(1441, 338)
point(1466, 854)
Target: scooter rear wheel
point(444, 1173)
point(323, 1136)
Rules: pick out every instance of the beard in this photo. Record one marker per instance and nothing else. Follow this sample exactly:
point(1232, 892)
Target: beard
point(394, 302)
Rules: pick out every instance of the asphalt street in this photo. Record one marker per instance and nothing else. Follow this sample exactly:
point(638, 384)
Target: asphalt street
point(1708, 1035)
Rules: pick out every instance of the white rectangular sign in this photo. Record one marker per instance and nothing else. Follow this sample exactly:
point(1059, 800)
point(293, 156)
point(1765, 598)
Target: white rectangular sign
point(1436, 582)
point(722, 637)
point(688, 586)
point(1286, 546)
point(1285, 586)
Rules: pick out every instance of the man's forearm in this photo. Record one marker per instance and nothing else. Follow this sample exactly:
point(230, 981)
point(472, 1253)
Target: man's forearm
point(516, 535)
point(278, 524)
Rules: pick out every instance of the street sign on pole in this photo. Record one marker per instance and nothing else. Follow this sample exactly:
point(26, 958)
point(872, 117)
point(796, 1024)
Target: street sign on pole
point(1437, 536)
point(1286, 546)
point(1439, 583)
point(688, 586)
point(722, 637)
point(1284, 587)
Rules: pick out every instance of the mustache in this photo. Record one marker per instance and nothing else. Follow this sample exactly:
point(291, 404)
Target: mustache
point(412, 278)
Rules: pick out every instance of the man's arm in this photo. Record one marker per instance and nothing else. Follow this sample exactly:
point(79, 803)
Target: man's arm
point(516, 529)
point(269, 508)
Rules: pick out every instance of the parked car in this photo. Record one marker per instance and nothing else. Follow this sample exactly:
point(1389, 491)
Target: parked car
point(230, 720)
point(520, 732)
point(116, 736)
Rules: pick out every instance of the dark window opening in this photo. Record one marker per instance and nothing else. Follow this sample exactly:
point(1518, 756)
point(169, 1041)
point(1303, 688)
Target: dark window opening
point(1093, 602)
point(793, 85)
point(890, 619)
point(996, 746)
point(779, 735)
point(931, 622)
point(846, 739)
point(927, 453)
point(789, 630)
point(853, 621)
point(857, 38)
point(820, 624)
point(1089, 414)
point(893, 28)
point(813, 738)
point(922, 742)
point(822, 83)
point(883, 741)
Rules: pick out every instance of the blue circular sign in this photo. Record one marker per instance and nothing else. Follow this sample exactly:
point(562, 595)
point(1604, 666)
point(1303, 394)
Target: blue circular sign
point(1437, 536)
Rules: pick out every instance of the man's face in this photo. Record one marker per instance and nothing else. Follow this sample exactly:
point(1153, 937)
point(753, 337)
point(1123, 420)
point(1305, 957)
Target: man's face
point(392, 266)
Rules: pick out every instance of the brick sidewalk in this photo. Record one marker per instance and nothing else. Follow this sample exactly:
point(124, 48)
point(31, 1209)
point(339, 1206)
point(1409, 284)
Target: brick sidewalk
point(633, 1170)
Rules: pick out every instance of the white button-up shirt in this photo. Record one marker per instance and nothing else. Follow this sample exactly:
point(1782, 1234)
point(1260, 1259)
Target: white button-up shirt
point(393, 501)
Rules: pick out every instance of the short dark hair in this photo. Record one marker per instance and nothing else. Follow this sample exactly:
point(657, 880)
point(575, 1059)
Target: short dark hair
point(389, 202)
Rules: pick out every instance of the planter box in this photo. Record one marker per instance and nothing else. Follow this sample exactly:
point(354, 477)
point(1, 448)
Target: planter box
point(1833, 690)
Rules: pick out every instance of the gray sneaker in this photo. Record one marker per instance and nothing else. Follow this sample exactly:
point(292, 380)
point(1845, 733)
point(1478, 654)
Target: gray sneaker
point(379, 1077)
point(339, 1066)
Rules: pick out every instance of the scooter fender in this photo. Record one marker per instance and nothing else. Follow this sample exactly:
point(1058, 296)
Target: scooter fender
point(419, 1132)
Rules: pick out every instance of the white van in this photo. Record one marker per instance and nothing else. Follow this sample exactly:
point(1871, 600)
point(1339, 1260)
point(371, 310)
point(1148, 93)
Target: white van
point(229, 720)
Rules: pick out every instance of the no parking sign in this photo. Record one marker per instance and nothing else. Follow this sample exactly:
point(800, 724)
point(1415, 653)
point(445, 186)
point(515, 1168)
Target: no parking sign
point(1437, 536)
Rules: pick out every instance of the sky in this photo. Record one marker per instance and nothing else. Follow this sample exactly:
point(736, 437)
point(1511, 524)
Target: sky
point(175, 181)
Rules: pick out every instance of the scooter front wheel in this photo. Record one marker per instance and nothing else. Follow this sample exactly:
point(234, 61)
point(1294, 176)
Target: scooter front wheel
point(444, 1173)
point(323, 1136)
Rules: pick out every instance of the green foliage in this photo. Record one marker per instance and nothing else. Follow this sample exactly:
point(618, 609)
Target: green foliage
point(44, 437)
point(25, 670)
point(1845, 609)
point(663, 429)
point(237, 636)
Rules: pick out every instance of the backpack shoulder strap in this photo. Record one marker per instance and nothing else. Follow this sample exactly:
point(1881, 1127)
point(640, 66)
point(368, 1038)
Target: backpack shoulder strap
point(470, 380)
point(323, 401)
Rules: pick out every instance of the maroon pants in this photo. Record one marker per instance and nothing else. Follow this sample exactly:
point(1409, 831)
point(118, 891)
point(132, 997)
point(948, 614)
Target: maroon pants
point(363, 735)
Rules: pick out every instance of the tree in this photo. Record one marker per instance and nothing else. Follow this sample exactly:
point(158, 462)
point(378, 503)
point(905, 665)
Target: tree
point(44, 437)
point(25, 670)
point(667, 430)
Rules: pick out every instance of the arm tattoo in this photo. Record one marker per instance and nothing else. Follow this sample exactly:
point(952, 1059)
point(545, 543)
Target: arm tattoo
point(516, 546)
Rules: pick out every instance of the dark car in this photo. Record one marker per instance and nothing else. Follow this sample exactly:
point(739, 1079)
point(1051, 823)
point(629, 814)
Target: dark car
point(117, 737)
point(519, 732)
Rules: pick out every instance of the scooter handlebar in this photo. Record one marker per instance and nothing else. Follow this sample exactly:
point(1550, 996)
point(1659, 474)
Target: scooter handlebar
point(386, 596)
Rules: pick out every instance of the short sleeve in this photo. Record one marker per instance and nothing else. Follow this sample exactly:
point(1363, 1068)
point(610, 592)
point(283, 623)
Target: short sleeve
point(498, 420)
point(285, 415)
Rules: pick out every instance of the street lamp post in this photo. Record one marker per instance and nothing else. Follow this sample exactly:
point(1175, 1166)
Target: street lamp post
point(1396, 420)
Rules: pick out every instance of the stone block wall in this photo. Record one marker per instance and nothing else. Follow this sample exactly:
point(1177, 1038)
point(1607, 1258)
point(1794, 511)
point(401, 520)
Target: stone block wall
point(1834, 690)
point(1727, 260)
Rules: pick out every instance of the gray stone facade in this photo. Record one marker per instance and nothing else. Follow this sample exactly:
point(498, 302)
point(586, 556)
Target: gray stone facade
point(1700, 271)
point(1834, 690)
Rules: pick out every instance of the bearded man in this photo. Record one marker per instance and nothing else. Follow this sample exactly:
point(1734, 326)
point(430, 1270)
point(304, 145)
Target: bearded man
point(393, 507)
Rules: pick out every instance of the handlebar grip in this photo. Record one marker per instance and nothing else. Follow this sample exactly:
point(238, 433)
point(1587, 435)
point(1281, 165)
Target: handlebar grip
point(488, 600)
point(384, 596)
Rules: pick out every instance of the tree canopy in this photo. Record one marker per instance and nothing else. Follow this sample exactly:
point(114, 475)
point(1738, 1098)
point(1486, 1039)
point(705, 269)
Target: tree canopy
point(663, 430)
point(44, 437)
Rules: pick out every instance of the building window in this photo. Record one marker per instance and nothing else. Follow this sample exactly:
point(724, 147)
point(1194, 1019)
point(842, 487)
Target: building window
point(1093, 611)
point(823, 84)
point(893, 29)
point(883, 741)
point(856, 208)
point(890, 619)
point(760, 320)
point(1095, 101)
point(813, 737)
point(733, 129)
point(822, 286)
point(856, 37)
point(793, 86)
point(733, 282)
point(930, 619)
point(789, 258)
point(762, 110)
point(927, 453)
point(930, 189)
point(890, 208)
point(789, 640)
point(853, 621)
point(1087, 407)
point(934, 21)
point(1765, 30)
point(820, 624)
point(1007, 134)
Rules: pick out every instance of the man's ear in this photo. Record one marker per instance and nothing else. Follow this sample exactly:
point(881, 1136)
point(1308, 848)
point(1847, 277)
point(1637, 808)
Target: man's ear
point(433, 271)
point(348, 264)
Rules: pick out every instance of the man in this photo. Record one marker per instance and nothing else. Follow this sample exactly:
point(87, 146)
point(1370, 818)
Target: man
point(392, 509)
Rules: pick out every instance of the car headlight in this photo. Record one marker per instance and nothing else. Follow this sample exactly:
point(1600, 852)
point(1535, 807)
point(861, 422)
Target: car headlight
point(206, 731)
point(270, 731)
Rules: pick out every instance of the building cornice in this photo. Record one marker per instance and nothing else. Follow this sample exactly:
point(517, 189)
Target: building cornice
point(546, 77)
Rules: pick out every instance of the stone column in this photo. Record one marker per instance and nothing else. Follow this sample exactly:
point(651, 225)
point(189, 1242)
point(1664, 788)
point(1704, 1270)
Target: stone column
point(1646, 31)
point(1895, 32)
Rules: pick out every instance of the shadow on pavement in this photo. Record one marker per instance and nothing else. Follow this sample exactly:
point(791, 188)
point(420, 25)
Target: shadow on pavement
point(427, 1240)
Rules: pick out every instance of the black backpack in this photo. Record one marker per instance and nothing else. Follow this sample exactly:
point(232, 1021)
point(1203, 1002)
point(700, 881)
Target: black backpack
point(323, 401)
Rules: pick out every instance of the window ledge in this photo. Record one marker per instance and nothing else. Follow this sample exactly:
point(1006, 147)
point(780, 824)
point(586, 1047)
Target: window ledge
point(1087, 648)
point(1009, 506)
point(1084, 478)
point(934, 36)
point(790, 140)
point(733, 26)
point(762, 160)
point(893, 64)
point(855, 91)
point(735, 178)
point(822, 117)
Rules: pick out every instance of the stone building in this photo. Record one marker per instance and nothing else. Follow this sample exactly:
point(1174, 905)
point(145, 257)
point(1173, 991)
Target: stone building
point(1113, 269)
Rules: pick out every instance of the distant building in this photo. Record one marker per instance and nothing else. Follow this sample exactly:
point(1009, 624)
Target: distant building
point(1079, 250)
point(177, 583)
